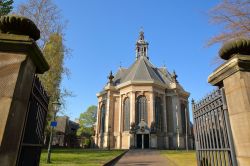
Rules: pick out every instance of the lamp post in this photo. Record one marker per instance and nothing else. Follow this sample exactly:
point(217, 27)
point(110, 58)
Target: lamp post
point(55, 108)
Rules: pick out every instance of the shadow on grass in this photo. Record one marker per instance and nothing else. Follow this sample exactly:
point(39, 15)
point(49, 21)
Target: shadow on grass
point(77, 157)
point(180, 157)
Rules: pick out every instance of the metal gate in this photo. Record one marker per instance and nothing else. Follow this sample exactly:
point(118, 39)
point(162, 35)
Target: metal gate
point(32, 139)
point(214, 142)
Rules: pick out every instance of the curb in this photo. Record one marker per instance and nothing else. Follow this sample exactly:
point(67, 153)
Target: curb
point(114, 160)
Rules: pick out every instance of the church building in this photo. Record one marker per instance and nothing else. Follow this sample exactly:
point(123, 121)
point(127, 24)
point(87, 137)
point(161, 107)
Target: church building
point(143, 106)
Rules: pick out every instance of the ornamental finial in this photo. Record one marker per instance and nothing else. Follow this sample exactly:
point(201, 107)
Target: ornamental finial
point(19, 25)
point(110, 77)
point(141, 34)
point(174, 77)
point(237, 46)
point(192, 101)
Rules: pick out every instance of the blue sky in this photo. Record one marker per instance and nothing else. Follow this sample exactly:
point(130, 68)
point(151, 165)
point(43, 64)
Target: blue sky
point(102, 34)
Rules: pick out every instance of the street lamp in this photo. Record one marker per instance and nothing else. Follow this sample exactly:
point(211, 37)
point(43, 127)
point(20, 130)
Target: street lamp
point(55, 108)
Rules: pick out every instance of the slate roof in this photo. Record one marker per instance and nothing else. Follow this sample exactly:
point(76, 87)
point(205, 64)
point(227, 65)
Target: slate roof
point(142, 70)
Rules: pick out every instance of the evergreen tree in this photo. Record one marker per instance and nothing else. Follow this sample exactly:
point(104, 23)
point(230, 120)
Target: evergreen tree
point(5, 7)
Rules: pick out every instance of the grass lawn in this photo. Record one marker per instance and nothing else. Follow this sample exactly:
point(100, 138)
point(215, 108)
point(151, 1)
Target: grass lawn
point(180, 157)
point(78, 157)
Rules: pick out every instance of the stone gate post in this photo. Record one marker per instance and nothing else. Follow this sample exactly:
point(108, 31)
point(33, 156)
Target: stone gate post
point(20, 59)
point(234, 76)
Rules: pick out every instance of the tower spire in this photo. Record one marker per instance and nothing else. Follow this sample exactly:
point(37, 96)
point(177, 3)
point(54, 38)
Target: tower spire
point(141, 46)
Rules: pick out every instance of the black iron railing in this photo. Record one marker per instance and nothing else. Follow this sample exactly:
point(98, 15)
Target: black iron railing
point(33, 133)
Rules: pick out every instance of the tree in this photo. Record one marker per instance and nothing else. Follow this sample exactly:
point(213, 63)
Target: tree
point(54, 54)
point(46, 15)
point(87, 121)
point(234, 16)
point(5, 7)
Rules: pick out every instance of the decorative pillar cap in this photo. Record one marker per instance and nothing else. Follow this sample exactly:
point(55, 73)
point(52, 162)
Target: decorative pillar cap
point(238, 46)
point(13, 24)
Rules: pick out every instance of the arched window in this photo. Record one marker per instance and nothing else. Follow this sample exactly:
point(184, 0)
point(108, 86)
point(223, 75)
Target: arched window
point(183, 118)
point(158, 113)
point(141, 109)
point(126, 114)
point(103, 113)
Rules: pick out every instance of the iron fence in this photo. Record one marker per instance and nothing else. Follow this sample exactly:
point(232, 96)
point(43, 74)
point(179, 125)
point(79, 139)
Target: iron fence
point(214, 142)
point(32, 141)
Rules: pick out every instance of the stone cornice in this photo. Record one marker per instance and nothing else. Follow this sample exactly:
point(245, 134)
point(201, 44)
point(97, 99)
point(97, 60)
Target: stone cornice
point(178, 92)
point(128, 83)
point(26, 45)
point(237, 63)
point(110, 87)
point(184, 94)
point(101, 93)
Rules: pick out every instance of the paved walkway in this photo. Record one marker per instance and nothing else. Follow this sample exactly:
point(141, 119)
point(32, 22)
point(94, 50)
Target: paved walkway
point(142, 157)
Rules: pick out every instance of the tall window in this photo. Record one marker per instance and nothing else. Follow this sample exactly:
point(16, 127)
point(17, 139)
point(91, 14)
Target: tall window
point(158, 113)
point(141, 109)
point(103, 113)
point(183, 118)
point(126, 114)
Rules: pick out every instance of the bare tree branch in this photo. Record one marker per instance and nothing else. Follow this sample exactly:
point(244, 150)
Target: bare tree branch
point(234, 16)
point(46, 15)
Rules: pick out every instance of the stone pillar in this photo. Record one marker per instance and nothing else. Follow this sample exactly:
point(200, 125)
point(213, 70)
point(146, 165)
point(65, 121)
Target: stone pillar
point(107, 113)
point(176, 120)
point(164, 109)
point(151, 113)
point(234, 76)
point(132, 107)
point(108, 135)
point(165, 129)
point(97, 127)
point(132, 118)
point(119, 144)
point(20, 59)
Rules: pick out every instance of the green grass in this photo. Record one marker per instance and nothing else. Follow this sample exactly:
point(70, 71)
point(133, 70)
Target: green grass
point(78, 157)
point(180, 157)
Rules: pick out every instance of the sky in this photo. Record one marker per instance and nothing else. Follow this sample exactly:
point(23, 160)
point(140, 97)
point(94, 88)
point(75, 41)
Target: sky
point(102, 36)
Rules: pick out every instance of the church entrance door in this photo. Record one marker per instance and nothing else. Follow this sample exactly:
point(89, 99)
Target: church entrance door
point(146, 141)
point(139, 141)
point(142, 141)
